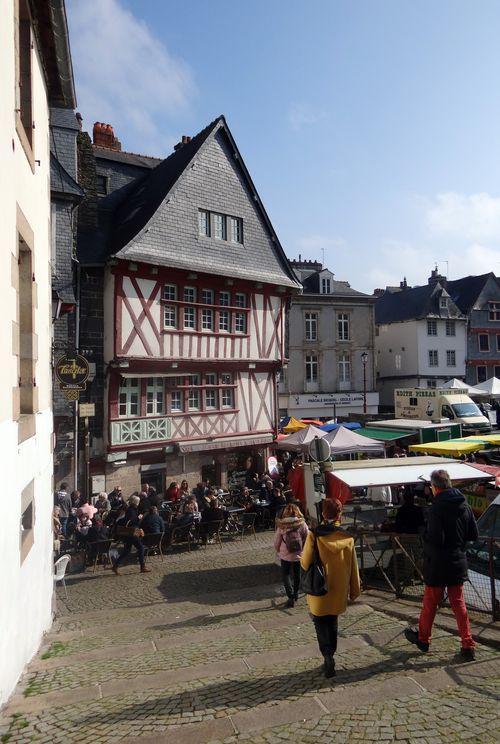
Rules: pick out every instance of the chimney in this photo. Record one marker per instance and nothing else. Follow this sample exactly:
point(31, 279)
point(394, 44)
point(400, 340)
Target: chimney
point(103, 135)
point(436, 278)
point(184, 141)
point(378, 292)
point(403, 284)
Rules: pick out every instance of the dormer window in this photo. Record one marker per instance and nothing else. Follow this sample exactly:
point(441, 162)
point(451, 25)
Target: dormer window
point(443, 303)
point(326, 285)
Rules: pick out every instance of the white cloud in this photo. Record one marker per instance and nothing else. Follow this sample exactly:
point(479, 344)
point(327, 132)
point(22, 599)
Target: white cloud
point(302, 115)
point(125, 76)
point(474, 217)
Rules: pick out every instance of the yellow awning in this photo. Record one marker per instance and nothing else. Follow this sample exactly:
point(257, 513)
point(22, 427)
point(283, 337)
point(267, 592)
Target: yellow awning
point(488, 438)
point(294, 425)
point(453, 448)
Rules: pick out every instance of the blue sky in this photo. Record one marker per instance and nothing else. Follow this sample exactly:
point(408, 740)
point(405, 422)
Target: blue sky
point(371, 128)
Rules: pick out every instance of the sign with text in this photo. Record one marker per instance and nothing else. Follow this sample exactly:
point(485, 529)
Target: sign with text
point(328, 400)
point(72, 372)
point(86, 410)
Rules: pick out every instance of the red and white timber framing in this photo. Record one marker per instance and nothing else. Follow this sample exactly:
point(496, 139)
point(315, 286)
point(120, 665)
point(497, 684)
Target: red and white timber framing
point(140, 339)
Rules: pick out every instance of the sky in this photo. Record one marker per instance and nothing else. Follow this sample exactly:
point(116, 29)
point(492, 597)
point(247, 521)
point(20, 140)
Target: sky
point(371, 128)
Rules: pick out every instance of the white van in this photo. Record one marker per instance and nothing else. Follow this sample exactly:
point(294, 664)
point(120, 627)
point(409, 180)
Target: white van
point(436, 404)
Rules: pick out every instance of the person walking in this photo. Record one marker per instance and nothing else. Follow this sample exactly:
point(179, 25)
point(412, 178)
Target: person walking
point(63, 501)
point(131, 519)
point(336, 551)
point(450, 525)
point(291, 534)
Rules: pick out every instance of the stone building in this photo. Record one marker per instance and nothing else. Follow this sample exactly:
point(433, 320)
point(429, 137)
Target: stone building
point(421, 337)
point(35, 74)
point(184, 286)
point(330, 370)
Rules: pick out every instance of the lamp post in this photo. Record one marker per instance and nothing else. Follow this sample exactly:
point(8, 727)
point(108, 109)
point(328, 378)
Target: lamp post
point(364, 359)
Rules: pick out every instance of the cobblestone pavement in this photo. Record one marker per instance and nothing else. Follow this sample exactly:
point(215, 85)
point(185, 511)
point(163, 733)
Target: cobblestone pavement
point(202, 650)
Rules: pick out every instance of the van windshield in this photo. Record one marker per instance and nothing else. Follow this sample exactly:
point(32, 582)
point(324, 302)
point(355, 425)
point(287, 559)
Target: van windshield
point(465, 410)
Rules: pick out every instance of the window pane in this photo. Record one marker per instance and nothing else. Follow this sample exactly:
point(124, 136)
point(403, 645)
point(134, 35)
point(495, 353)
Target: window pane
point(207, 319)
point(189, 294)
point(450, 327)
point(481, 374)
point(484, 342)
point(170, 316)
point(224, 320)
point(194, 400)
point(240, 299)
point(227, 398)
point(211, 379)
point(169, 292)
point(432, 328)
point(189, 317)
point(224, 299)
point(207, 296)
point(240, 322)
point(220, 226)
point(236, 230)
point(176, 401)
point(204, 222)
point(211, 399)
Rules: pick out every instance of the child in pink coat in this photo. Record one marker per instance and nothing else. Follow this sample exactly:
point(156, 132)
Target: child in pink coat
point(291, 534)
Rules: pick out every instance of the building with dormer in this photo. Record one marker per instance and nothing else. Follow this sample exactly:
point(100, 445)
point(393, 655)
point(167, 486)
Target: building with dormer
point(330, 353)
point(421, 337)
point(184, 288)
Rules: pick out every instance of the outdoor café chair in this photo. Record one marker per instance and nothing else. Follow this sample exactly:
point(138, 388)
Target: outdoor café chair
point(60, 567)
point(247, 523)
point(98, 551)
point(181, 535)
point(211, 529)
point(153, 542)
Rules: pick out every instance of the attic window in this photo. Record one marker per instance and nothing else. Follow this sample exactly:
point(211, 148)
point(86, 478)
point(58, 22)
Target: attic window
point(220, 226)
point(443, 303)
point(102, 185)
point(326, 285)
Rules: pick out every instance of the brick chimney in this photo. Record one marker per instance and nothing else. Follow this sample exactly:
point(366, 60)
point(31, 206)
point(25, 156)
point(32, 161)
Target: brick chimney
point(184, 140)
point(103, 135)
point(403, 284)
point(436, 278)
point(378, 292)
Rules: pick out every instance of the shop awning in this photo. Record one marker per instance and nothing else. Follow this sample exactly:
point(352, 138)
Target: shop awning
point(450, 448)
point(400, 475)
point(383, 434)
point(219, 444)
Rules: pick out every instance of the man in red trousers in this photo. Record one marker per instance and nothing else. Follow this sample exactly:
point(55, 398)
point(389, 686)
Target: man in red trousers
point(450, 525)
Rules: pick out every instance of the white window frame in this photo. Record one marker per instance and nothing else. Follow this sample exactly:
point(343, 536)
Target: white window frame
point(494, 311)
point(311, 326)
point(207, 296)
point(479, 337)
point(170, 292)
point(210, 378)
point(155, 396)
point(224, 298)
point(344, 368)
point(433, 357)
point(224, 321)
point(240, 322)
point(193, 395)
point(451, 328)
point(191, 313)
point(169, 316)
point(227, 398)
point(443, 303)
point(220, 226)
point(343, 327)
point(130, 388)
point(451, 358)
point(236, 229)
point(204, 223)
point(312, 368)
point(177, 407)
point(189, 294)
point(326, 285)
point(240, 299)
point(207, 319)
point(211, 394)
point(432, 327)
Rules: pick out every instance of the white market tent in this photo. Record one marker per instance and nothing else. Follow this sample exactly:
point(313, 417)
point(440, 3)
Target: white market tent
point(343, 441)
point(455, 384)
point(300, 440)
point(491, 387)
point(399, 471)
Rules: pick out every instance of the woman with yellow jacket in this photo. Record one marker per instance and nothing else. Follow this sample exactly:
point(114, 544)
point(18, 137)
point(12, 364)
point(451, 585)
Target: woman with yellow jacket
point(336, 551)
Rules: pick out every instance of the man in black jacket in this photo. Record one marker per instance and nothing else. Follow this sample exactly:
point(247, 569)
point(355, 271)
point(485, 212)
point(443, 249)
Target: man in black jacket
point(450, 525)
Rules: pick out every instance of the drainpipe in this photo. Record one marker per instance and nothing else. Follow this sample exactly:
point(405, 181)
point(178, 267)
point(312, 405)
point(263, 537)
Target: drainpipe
point(77, 348)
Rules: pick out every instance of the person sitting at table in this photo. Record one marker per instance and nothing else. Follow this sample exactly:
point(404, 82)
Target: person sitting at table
point(131, 519)
point(277, 502)
point(211, 518)
point(144, 503)
point(97, 530)
point(173, 492)
point(266, 490)
point(77, 499)
point(184, 491)
point(152, 523)
point(102, 505)
point(409, 517)
point(87, 509)
point(115, 498)
point(83, 524)
point(56, 528)
point(190, 515)
point(150, 491)
point(244, 498)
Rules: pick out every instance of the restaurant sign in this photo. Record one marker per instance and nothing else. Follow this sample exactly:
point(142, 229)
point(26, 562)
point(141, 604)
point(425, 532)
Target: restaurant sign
point(72, 372)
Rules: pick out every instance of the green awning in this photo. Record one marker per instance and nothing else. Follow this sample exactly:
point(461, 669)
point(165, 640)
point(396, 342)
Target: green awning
point(384, 434)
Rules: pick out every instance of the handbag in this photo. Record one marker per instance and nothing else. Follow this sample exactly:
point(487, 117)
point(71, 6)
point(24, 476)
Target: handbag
point(126, 531)
point(313, 579)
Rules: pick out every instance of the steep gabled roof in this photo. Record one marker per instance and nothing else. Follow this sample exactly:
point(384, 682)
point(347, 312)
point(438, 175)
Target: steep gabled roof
point(465, 292)
point(127, 158)
point(411, 304)
point(130, 209)
point(312, 286)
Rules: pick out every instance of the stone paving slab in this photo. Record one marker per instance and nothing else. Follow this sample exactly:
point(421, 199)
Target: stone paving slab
point(274, 715)
point(197, 732)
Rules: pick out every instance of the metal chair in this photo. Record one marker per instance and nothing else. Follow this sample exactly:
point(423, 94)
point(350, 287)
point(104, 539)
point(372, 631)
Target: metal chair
point(247, 524)
point(211, 529)
point(184, 534)
point(60, 567)
point(98, 550)
point(153, 542)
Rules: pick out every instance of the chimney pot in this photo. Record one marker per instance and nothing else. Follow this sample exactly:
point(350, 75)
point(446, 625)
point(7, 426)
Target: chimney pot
point(103, 135)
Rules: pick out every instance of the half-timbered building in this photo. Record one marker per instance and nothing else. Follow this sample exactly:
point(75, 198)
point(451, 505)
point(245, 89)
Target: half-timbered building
point(192, 285)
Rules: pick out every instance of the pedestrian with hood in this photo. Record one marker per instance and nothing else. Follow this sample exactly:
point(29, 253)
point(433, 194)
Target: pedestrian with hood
point(290, 537)
point(338, 558)
point(450, 525)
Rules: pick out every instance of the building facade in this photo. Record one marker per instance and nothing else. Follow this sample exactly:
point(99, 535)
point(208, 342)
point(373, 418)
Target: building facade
point(330, 371)
point(188, 285)
point(35, 73)
point(421, 338)
point(478, 297)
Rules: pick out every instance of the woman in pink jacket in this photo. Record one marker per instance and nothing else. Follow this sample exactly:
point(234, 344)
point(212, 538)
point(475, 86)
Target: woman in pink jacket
point(291, 534)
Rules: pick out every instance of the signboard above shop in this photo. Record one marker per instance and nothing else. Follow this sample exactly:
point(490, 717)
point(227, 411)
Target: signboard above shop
point(328, 400)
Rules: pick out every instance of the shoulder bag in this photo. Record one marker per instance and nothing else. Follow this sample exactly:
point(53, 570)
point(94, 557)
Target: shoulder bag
point(313, 579)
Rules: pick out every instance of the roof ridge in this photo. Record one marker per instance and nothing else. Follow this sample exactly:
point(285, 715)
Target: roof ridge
point(128, 152)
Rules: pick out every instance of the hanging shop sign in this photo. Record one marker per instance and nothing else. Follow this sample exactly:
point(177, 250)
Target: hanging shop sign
point(72, 372)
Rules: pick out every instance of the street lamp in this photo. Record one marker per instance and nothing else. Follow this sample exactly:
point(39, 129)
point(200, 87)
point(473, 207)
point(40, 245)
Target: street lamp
point(364, 359)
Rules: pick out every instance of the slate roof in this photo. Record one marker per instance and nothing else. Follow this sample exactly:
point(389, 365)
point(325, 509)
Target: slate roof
point(411, 304)
point(61, 183)
point(128, 158)
point(311, 286)
point(465, 292)
point(127, 211)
